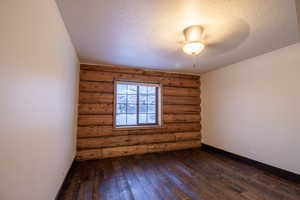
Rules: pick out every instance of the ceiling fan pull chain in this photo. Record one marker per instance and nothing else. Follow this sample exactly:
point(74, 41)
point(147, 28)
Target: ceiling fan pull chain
point(194, 62)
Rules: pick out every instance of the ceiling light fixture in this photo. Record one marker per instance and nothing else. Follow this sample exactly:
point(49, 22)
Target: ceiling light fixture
point(192, 40)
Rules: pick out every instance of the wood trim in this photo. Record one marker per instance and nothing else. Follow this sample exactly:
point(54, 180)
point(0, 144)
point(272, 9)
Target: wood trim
point(64, 184)
point(268, 168)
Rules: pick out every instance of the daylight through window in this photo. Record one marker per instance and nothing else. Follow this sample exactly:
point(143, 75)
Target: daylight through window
point(136, 104)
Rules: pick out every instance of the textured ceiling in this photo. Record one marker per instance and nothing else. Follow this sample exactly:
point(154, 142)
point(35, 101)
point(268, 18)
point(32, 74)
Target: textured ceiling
point(147, 33)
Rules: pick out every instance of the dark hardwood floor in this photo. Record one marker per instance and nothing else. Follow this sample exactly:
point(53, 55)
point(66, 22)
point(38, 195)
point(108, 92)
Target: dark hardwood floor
point(189, 174)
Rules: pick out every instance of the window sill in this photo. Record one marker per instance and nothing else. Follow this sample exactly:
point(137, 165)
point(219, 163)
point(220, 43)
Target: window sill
point(137, 127)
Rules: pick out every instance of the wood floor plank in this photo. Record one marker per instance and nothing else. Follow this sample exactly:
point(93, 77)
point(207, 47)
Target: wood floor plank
point(179, 175)
point(165, 186)
point(124, 187)
point(142, 179)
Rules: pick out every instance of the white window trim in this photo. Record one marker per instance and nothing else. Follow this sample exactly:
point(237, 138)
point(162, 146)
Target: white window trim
point(159, 109)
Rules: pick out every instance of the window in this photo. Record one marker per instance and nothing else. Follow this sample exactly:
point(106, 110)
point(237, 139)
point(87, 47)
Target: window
point(136, 104)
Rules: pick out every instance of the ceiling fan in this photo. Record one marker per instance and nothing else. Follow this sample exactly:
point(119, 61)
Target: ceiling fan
point(215, 39)
point(193, 44)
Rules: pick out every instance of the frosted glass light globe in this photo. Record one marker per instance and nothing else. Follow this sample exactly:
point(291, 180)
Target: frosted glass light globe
point(193, 48)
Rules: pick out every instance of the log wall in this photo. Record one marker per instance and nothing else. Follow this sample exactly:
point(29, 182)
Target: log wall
point(97, 138)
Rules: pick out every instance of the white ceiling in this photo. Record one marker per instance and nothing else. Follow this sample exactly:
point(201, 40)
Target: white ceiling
point(147, 33)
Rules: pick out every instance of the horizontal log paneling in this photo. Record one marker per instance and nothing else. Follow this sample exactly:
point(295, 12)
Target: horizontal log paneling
point(92, 97)
point(87, 75)
point(91, 154)
point(100, 131)
point(97, 138)
point(128, 140)
point(130, 70)
point(124, 151)
point(167, 109)
point(106, 87)
point(87, 97)
point(85, 120)
point(181, 100)
point(173, 91)
point(95, 131)
point(172, 118)
point(84, 109)
point(108, 109)
point(182, 145)
point(104, 68)
point(187, 136)
point(103, 87)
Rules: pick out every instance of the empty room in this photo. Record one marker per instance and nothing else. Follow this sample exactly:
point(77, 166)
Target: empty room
point(150, 100)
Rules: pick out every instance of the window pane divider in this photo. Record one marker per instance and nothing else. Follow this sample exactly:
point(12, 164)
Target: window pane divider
point(138, 105)
point(126, 104)
point(156, 105)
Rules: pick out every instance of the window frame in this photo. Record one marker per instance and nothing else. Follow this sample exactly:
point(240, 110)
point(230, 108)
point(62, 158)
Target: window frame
point(158, 122)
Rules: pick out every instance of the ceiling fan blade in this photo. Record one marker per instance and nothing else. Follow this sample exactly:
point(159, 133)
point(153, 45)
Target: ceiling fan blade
point(223, 37)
